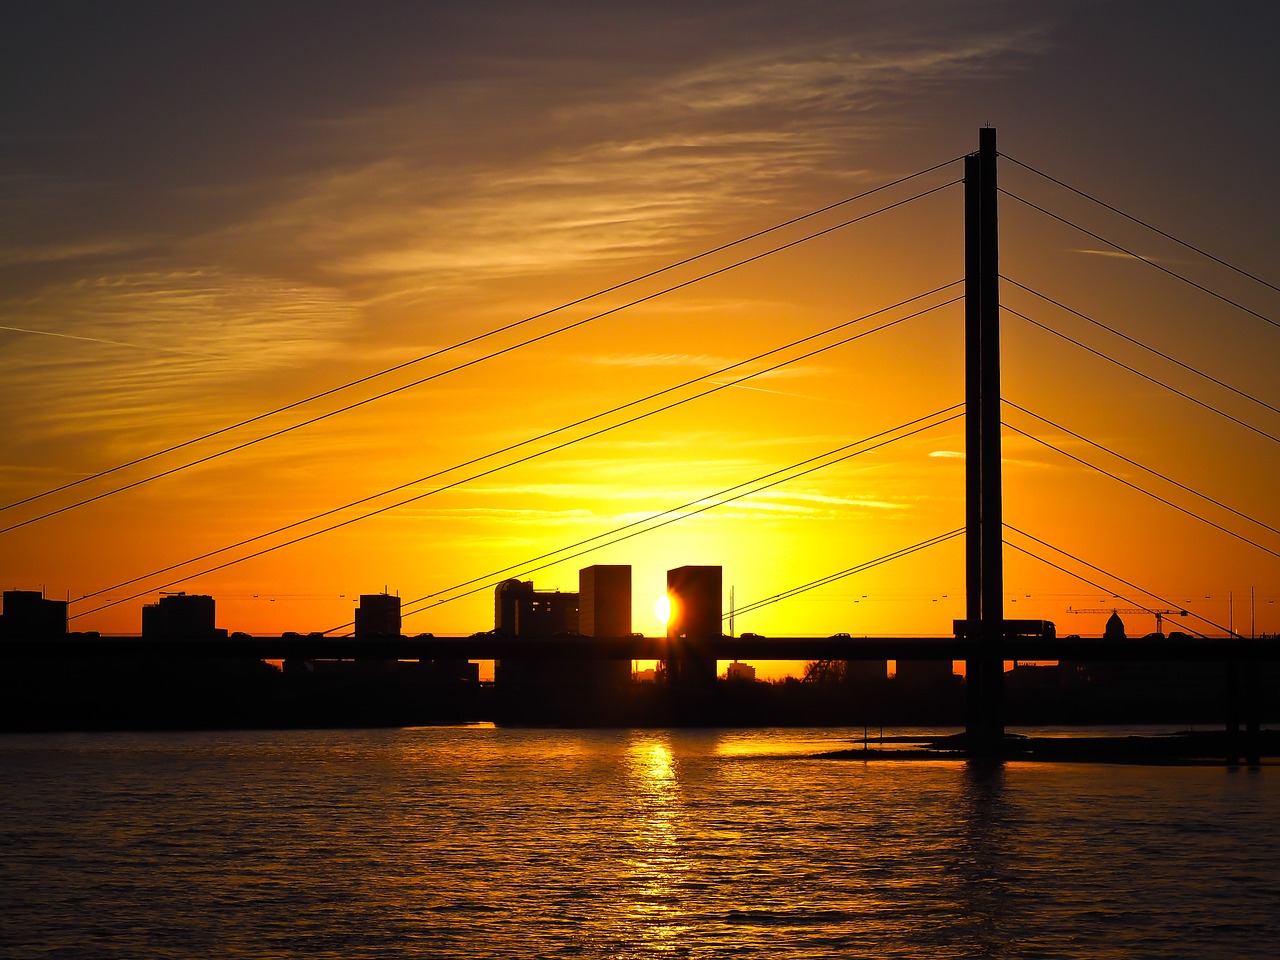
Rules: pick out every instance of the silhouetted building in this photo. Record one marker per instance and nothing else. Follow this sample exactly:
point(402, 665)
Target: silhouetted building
point(180, 616)
point(604, 610)
point(696, 595)
point(27, 614)
point(604, 600)
point(1115, 628)
point(740, 673)
point(378, 616)
point(521, 611)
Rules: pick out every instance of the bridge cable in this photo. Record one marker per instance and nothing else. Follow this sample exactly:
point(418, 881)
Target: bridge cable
point(484, 473)
point(1083, 579)
point(803, 588)
point(1153, 496)
point(686, 506)
point(1155, 473)
point(675, 510)
point(1139, 373)
point(1139, 343)
point(1147, 260)
point(455, 368)
point(1105, 573)
point(545, 435)
point(509, 326)
point(1142, 223)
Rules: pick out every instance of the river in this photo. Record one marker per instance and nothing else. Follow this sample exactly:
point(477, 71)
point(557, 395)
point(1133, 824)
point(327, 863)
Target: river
point(478, 841)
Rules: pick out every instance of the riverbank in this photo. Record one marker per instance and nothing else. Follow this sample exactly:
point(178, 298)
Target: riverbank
point(1188, 747)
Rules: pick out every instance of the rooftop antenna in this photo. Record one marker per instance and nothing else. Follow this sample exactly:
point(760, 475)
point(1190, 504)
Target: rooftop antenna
point(731, 633)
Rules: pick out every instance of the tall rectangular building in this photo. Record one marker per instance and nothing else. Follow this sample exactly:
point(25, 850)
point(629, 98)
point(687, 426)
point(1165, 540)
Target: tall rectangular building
point(180, 616)
point(604, 610)
point(27, 615)
point(378, 616)
point(604, 600)
point(697, 609)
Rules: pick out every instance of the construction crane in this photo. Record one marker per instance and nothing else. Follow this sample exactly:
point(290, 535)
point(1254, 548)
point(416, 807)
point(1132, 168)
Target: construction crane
point(1158, 614)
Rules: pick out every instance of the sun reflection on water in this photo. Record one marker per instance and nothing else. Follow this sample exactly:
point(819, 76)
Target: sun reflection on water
point(659, 862)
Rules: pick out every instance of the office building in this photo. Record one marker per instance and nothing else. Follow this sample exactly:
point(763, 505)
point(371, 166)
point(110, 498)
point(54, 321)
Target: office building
point(180, 616)
point(604, 610)
point(604, 600)
point(28, 615)
point(521, 611)
point(378, 616)
point(697, 608)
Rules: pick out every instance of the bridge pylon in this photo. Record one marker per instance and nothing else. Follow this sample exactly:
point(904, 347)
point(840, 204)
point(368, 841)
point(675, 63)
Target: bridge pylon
point(984, 527)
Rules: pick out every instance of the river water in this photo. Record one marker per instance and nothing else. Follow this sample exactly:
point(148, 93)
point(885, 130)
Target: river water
point(474, 842)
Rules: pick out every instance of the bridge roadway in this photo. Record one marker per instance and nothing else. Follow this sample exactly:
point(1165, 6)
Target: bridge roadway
point(493, 647)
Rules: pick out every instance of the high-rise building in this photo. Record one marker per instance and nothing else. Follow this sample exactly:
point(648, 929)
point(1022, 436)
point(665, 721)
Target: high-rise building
point(604, 600)
point(521, 611)
point(378, 616)
point(604, 610)
point(27, 614)
point(696, 595)
point(180, 616)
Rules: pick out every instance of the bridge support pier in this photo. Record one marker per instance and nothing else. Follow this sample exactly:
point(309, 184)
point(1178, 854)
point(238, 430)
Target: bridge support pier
point(984, 526)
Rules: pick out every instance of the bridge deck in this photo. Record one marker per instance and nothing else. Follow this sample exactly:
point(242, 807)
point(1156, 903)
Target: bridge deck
point(1219, 650)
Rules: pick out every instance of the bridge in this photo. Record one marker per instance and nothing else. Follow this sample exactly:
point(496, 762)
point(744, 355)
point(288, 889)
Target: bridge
point(1222, 650)
point(984, 648)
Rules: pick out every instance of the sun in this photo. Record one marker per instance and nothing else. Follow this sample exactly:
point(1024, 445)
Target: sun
point(662, 610)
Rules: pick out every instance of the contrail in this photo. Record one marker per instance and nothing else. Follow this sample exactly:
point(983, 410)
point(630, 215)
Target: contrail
point(113, 343)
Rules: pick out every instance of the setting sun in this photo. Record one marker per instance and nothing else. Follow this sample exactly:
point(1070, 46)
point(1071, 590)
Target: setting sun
point(662, 610)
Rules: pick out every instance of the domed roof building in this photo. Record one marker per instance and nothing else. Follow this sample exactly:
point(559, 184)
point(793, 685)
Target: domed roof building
point(1115, 628)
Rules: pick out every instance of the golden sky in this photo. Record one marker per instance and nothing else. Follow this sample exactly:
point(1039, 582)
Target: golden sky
point(211, 212)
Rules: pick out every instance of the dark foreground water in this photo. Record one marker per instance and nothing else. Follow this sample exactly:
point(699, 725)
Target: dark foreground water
point(482, 842)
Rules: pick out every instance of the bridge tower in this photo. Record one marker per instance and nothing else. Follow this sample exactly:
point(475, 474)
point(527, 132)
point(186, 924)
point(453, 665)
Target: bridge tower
point(984, 564)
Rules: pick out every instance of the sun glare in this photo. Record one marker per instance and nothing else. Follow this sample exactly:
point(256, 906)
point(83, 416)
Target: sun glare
point(662, 610)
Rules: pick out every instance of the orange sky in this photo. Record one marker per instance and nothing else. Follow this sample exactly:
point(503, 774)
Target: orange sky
point(206, 224)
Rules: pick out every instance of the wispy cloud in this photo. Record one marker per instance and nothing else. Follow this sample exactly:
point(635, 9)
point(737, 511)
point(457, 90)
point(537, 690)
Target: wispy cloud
point(639, 163)
point(1116, 254)
point(36, 253)
point(127, 349)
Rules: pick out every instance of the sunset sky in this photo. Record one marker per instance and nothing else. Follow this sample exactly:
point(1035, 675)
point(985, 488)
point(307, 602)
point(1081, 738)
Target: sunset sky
point(214, 210)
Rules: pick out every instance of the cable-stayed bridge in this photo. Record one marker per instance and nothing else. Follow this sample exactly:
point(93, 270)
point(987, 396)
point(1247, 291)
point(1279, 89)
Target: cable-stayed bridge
point(984, 644)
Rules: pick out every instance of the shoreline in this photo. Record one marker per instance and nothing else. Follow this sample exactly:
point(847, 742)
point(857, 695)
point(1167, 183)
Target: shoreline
point(1183, 748)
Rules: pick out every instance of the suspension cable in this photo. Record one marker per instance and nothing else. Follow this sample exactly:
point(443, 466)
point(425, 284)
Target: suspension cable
point(1153, 496)
point(1139, 373)
point(1105, 573)
point(678, 517)
point(1139, 343)
point(831, 578)
point(1147, 260)
point(1146, 469)
point(456, 483)
point(1142, 223)
point(695, 502)
point(501, 329)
